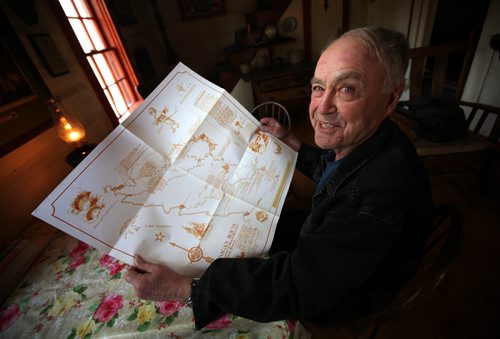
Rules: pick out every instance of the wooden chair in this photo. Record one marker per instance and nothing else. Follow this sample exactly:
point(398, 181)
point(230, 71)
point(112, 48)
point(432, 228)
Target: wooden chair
point(431, 63)
point(482, 112)
point(429, 77)
point(479, 137)
point(441, 249)
point(277, 111)
point(274, 110)
point(475, 152)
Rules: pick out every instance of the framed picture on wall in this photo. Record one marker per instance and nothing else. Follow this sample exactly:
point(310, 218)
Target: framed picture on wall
point(122, 11)
point(48, 54)
point(22, 114)
point(196, 9)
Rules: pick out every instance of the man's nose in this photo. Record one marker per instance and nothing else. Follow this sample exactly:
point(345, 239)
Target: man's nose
point(327, 103)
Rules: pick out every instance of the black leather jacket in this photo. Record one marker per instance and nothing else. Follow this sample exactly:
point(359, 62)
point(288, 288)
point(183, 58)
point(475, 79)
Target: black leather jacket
point(360, 243)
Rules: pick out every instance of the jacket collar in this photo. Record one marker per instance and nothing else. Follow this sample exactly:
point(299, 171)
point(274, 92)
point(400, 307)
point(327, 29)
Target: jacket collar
point(360, 155)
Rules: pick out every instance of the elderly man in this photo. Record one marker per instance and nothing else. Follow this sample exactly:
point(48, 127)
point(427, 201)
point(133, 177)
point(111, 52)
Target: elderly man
point(369, 216)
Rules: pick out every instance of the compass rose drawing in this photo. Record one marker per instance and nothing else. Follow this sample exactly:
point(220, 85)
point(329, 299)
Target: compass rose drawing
point(194, 254)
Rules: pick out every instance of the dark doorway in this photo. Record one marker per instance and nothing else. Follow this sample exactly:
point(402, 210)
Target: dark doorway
point(455, 20)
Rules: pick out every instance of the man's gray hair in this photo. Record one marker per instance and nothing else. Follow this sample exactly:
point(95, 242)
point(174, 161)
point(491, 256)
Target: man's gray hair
point(390, 48)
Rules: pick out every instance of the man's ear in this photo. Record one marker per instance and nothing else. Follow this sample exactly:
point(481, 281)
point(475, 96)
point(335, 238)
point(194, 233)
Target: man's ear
point(394, 98)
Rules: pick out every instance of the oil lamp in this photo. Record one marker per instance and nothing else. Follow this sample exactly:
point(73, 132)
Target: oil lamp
point(71, 131)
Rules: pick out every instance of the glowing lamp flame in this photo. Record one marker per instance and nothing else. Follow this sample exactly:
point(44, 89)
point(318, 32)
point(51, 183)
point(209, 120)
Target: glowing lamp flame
point(71, 131)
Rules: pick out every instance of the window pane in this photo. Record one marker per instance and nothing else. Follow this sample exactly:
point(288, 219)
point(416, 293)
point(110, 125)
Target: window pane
point(104, 68)
point(101, 53)
point(114, 65)
point(83, 10)
point(111, 102)
point(123, 117)
point(81, 34)
point(126, 92)
point(68, 8)
point(94, 34)
point(96, 71)
point(118, 98)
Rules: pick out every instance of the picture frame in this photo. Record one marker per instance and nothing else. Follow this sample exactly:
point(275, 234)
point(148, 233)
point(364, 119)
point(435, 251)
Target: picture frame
point(23, 115)
point(48, 53)
point(123, 12)
point(196, 9)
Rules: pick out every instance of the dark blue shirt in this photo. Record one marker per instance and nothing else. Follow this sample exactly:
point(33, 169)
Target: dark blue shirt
point(331, 166)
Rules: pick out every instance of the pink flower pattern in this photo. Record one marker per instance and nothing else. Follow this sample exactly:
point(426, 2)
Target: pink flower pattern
point(79, 250)
point(111, 312)
point(76, 262)
point(106, 260)
point(108, 308)
point(113, 265)
point(167, 308)
point(9, 316)
point(220, 323)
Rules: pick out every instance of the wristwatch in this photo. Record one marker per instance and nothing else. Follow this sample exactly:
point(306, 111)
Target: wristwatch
point(189, 301)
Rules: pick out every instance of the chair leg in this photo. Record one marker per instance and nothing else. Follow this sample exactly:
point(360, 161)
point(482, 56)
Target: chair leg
point(375, 331)
point(486, 171)
point(366, 332)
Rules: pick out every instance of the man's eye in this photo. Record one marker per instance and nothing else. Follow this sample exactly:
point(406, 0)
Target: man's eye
point(347, 90)
point(317, 91)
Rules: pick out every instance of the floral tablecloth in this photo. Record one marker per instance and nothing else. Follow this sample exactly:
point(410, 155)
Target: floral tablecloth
point(74, 291)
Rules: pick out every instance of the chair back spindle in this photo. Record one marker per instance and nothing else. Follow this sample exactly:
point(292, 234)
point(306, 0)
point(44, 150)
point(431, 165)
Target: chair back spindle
point(273, 110)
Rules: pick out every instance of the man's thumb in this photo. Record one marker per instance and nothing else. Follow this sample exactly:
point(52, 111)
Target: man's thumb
point(142, 264)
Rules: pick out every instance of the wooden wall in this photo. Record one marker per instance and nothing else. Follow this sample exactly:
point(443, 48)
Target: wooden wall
point(27, 176)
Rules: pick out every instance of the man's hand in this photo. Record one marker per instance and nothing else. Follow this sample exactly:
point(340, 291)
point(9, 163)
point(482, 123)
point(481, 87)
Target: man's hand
point(272, 126)
point(157, 282)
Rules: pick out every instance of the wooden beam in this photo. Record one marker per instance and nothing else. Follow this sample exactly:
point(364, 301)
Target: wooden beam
point(306, 18)
point(346, 16)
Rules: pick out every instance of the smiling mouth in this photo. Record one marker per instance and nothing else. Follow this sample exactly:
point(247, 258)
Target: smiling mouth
point(324, 124)
point(334, 121)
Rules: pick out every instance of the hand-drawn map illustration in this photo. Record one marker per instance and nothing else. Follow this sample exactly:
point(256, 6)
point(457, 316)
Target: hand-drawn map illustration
point(186, 179)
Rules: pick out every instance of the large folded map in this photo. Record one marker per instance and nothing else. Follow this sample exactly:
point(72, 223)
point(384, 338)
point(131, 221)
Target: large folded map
point(186, 179)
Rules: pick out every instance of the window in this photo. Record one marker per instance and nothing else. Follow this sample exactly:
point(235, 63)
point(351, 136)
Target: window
point(99, 40)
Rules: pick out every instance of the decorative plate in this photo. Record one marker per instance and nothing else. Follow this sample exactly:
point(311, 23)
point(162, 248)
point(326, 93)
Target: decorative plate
point(289, 24)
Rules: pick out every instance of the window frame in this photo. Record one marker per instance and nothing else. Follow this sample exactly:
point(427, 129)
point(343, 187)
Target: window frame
point(112, 41)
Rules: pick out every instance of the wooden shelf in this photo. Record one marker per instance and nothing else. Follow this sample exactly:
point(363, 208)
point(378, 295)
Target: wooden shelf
point(277, 71)
point(288, 85)
point(273, 42)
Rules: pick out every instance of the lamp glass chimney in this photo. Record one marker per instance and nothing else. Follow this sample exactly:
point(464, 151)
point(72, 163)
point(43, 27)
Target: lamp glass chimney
point(69, 129)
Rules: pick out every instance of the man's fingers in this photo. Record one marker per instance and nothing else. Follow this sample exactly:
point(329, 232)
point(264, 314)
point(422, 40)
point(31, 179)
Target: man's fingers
point(267, 121)
point(132, 276)
point(143, 265)
point(157, 282)
point(264, 128)
point(135, 273)
point(139, 261)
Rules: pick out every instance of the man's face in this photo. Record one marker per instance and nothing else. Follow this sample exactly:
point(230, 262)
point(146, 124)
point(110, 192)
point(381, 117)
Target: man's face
point(347, 102)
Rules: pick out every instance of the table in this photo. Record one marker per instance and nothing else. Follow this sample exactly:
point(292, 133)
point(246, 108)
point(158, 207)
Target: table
point(74, 291)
